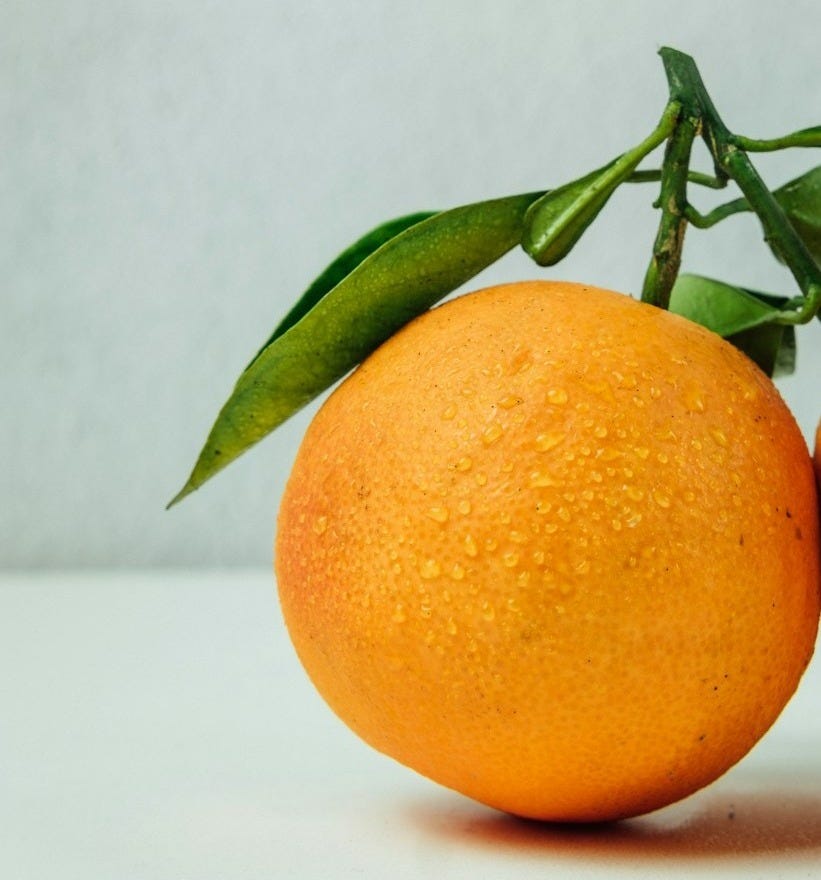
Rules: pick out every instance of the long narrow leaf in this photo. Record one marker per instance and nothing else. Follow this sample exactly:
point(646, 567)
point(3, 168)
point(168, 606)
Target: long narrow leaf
point(343, 265)
point(398, 281)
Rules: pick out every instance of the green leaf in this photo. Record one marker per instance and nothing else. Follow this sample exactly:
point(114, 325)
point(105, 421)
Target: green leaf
point(343, 265)
point(744, 317)
point(559, 218)
point(771, 346)
point(398, 281)
point(801, 201)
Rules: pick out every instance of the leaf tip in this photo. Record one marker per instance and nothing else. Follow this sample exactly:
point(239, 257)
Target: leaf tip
point(186, 490)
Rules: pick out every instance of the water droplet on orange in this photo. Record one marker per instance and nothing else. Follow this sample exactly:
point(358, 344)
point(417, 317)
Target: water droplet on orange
point(492, 433)
point(661, 498)
point(548, 441)
point(439, 514)
point(510, 401)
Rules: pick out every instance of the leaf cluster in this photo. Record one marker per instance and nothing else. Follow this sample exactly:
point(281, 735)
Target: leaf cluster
point(403, 267)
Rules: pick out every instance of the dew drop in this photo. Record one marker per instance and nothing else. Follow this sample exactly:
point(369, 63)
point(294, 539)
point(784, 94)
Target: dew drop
point(491, 434)
point(511, 559)
point(632, 521)
point(540, 478)
point(457, 572)
point(719, 436)
point(693, 400)
point(546, 442)
point(439, 514)
point(661, 499)
point(430, 569)
point(510, 401)
point(464, 464)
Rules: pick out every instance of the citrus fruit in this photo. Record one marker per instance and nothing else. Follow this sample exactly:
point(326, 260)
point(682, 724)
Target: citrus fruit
point(817, 456)
point(555, 549)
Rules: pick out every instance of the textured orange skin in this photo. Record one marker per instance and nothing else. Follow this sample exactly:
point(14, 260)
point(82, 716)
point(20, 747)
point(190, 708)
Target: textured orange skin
point(555, 549)
point(817, 456)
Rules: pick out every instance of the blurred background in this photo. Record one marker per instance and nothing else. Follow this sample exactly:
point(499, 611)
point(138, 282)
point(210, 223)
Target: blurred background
point(173, 175)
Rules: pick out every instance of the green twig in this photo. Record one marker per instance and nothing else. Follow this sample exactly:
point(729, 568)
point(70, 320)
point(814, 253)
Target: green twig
point(653, 175)
point(807, 137)
point(728, 209)
point(699, 116)
point(666, 259)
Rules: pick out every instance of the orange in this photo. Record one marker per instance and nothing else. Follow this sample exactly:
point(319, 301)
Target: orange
point(817, 456)
point(555, 549)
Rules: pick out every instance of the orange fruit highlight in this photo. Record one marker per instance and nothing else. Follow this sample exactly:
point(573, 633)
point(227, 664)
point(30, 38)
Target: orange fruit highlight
point(555, 549)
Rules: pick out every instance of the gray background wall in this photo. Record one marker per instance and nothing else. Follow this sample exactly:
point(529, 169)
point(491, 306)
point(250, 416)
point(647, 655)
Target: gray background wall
point(172, 174)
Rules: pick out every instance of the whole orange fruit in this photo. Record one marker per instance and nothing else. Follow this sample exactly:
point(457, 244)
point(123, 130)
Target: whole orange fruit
point(555, 549)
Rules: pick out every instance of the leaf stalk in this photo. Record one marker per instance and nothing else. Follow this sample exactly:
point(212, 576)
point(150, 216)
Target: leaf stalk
point(700, 117)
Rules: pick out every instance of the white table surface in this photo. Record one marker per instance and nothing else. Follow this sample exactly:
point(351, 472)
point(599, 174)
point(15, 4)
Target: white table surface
point(157, 725)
